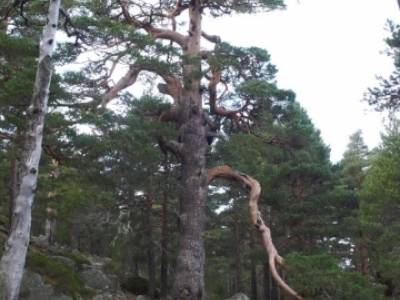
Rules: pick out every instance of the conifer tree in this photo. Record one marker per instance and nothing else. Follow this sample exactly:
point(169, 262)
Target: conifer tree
point(378, 213)
point(353, 170)
point(150, 38)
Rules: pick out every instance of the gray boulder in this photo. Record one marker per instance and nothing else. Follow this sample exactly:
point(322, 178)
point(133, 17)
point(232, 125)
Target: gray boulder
point(143, 297)
point(112, 296)
point(239, 296)
point(33, 288)
point(106, 296)
point(96, 279)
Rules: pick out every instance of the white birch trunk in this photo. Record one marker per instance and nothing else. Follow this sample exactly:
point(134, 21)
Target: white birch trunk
point(13, 260)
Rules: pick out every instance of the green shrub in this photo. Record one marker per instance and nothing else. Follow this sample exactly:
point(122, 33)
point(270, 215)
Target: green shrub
point(136, 285)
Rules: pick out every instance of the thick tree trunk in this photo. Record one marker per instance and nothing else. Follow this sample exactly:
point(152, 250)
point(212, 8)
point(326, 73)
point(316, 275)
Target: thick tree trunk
point(151, 266)
point(189, 278)
point(13, 260)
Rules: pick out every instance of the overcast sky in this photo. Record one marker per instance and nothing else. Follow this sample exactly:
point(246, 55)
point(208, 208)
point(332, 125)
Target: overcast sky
point(329, 52)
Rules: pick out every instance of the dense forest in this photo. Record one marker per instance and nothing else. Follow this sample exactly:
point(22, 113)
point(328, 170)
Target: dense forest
point(143, 158)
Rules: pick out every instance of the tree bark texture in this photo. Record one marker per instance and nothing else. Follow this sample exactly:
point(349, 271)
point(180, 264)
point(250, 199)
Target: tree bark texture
point(13, 260)
point(189, 279)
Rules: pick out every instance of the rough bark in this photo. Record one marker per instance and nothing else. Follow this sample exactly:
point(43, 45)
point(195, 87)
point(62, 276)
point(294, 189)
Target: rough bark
point(189, 278)
point(274, 258)
point(13, 260)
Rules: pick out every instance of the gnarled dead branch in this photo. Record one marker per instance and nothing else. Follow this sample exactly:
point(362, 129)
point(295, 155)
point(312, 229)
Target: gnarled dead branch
point(155, 32)
point(214, 80)
point(255, 191)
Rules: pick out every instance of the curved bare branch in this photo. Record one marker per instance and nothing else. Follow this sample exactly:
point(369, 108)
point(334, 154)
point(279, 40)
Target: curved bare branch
point(155, 32)
point(6, 136)
point(173, 85)
point(254, 195)
point(174, 147)
point(125, 81)
point(179, 8)
point(219, 110)
point(212, 38)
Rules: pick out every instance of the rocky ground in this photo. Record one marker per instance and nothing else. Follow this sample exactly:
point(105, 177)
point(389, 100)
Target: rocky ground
point(54, 272)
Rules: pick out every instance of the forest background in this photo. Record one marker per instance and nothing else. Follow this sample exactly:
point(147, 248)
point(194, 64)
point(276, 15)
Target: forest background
point(111, 174)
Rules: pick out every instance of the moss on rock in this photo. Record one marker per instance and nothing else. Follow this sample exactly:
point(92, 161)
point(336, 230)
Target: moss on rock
point(62, 277)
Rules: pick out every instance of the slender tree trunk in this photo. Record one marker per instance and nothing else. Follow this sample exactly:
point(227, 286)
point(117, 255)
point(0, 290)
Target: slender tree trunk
point(364, 260)
point(271, 291)
point(135, 267)
point(50, 225)
point(238, 256)
point(363, 255)
point(267, 282)
point(151, 266)
point(164, 245)
point(254, 287)
point(13, 260)
point(189, 278)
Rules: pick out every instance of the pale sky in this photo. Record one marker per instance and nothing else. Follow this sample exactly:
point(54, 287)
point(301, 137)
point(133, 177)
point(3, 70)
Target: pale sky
point(327, 51)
